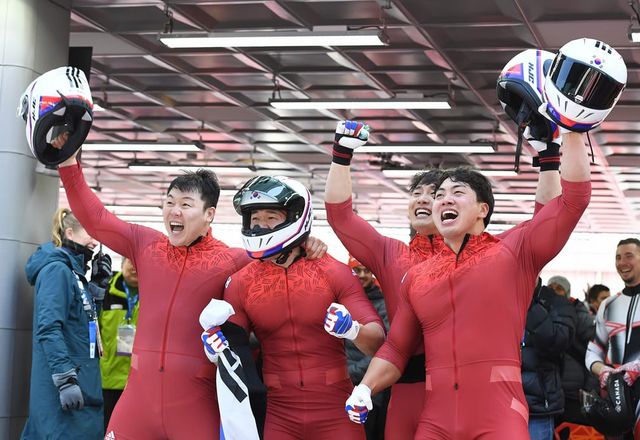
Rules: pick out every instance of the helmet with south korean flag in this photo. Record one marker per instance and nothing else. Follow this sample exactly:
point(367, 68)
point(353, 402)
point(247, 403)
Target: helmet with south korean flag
point(274, 192)
point(583, 84)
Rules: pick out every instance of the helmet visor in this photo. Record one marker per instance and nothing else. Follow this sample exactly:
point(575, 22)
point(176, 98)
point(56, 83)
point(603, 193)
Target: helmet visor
point(585, 85)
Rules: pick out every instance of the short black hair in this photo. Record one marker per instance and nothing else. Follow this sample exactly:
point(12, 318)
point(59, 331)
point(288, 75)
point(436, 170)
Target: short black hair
point(594, 290)
point(629, 241)
point(202, 181)
point(426, 177)
point(476, 181)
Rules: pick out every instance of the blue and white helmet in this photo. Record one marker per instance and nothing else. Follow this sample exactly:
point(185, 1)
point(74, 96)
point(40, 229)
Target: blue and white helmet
point(55, 102)
point(583, 84)
point(521, 81)
point(283, 193)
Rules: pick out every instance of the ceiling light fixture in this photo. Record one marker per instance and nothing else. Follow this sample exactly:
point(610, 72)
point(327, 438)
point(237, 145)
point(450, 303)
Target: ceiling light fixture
point(356, 104)
point(222, 170)
point(138, 209)
point(406, 173)
point(143, 146)
point(426, 148)
point(366, 37)
point(634, 33)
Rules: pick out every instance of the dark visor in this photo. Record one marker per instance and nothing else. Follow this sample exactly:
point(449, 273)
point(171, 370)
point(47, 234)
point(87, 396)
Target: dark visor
point(583, 84)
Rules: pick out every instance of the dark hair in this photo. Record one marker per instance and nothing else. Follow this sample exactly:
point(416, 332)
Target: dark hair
point(592, 293)
point(202, 181)
point(426, 177)
point(476, 181)
point(629, 241)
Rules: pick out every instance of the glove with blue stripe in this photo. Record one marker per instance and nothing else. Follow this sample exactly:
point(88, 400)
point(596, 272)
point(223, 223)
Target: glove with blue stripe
point(338, 322)
point(349, 136)
point(214, 343)
point(359, 404)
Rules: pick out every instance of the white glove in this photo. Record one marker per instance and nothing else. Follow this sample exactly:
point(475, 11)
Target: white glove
point(359, 404)
point(351, 134)
point(215, 314)
point(338, 322)
point(539, 145)
point(214, 343)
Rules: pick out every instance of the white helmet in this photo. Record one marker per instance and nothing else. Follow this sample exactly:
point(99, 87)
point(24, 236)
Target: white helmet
point(55, 102)
point(266, 192)
point(583, 84)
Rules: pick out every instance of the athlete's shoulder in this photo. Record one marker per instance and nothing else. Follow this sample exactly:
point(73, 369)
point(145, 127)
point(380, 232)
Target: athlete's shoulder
point(246, 274)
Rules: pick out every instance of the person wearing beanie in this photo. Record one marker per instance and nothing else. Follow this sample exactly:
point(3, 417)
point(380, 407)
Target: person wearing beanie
point(560, 284)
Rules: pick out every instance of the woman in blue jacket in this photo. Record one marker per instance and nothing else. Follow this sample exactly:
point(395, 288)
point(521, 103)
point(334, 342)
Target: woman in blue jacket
point(66, 395)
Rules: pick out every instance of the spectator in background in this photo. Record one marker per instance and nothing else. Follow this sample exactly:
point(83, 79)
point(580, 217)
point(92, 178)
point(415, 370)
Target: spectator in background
point(548, 334)
point(358, 362)
point(616, 343)
point(595, 296)
point(65, 400)
point(574, 374)
point(118, 319)
point(561, 285)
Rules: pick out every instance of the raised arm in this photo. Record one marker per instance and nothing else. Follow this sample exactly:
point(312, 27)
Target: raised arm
point(349, 135)
point(557, 219)
point(361, 240)
point(124, 238)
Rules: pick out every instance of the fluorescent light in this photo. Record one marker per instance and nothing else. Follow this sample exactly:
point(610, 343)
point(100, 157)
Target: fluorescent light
point(351, 104)
point(149, 146)
point(499, 173)
point(634, 34)
point(511, 216)
point(514, 197)
point(229, 171)
point(427, 148)
point(134, 209)
point(177, 169)
point(399, 174)
point(274, 39)
point(403, 173)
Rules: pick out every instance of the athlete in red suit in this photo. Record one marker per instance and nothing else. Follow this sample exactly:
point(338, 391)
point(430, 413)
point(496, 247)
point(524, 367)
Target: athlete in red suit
point(285, 299)
point(469, 302)
point(389, 259)
point(171, 388)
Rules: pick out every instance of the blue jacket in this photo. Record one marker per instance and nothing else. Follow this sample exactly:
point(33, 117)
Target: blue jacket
point(60, 343)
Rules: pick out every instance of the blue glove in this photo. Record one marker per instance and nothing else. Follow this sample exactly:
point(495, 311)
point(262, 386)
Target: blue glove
point(349, 136)
point(359, 404)
point(338, 322)
point(214, 343)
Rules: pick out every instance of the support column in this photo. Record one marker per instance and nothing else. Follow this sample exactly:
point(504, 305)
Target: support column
point(34, 38)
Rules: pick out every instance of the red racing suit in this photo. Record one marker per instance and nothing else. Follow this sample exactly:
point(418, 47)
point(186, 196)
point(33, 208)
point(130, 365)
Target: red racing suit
point(304, 367)
point(389, 259)
point(471, 310)
point(171, 391)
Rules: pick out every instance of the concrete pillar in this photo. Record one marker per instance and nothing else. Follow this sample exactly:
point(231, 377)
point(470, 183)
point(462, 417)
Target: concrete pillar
point(34, 38)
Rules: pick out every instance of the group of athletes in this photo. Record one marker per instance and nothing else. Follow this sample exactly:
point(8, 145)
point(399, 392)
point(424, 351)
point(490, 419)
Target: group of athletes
point(457, 297)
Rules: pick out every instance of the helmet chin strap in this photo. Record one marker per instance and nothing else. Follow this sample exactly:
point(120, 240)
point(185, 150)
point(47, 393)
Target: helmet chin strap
point(283, 256)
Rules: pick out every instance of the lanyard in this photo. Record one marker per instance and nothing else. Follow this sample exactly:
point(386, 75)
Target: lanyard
point(131, 301)
point(89, 307)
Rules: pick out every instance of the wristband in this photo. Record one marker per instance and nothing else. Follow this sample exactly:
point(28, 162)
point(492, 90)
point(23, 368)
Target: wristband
point(342, 155)
point(549, 158)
